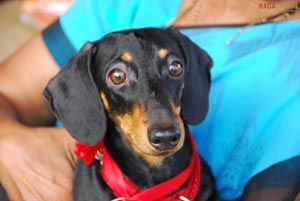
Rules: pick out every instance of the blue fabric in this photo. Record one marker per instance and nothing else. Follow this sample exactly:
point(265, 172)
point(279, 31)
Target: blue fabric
point(105, 16)
point(60, 47)
point(254, 114)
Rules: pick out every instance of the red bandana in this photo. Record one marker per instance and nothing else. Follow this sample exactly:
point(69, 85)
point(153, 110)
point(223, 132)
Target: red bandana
point(125, 189)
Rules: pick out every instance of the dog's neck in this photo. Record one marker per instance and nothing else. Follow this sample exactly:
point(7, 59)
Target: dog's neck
point(137, 170)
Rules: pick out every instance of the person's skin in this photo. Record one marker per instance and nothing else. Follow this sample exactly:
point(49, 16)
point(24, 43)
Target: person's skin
point(37, 161)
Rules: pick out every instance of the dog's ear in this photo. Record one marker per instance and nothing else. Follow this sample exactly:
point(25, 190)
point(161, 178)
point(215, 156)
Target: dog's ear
point(194, 104)
point(74, 98)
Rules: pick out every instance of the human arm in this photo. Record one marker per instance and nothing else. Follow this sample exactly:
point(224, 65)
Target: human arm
point(23, 77)
point(31, 152)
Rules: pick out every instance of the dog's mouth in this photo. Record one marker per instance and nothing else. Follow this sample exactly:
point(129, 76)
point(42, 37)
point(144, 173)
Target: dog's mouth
point(155, 157)
point(156, 154)
point(158, 144)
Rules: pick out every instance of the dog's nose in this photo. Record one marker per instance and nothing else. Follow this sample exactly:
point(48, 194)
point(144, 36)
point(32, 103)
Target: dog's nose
point(164, 139)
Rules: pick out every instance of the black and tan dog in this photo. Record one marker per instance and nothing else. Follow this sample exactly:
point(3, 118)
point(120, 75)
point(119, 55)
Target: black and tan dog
point(135, 91)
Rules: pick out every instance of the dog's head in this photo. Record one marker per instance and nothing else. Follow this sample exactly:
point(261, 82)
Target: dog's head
point(150, 82)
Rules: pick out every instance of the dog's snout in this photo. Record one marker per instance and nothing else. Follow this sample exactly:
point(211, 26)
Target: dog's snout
point(164, 139)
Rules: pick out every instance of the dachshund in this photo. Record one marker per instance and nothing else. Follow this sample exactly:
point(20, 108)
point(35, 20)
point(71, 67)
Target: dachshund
point(128, 98)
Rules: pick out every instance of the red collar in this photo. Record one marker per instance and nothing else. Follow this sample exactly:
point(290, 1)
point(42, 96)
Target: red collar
point(125, 189)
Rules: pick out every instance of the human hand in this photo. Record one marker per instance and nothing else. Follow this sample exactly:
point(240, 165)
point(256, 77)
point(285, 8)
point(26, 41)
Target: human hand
point(36, 163)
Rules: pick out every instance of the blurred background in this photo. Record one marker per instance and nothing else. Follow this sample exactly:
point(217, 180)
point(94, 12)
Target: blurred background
point(20, 19)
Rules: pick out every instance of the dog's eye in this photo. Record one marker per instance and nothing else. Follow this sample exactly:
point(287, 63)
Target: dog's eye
point(117, 76)
point(175, 69)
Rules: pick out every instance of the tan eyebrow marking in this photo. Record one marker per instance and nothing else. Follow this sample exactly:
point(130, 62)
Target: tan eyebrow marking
point(126, 57)
point(163, 53)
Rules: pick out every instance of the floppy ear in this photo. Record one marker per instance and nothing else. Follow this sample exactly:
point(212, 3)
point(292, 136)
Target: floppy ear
point(74, 98)
point(194, 101)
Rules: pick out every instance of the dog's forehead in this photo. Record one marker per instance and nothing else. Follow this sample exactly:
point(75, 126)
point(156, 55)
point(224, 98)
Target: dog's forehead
point(149, 40)
point(141, 47)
